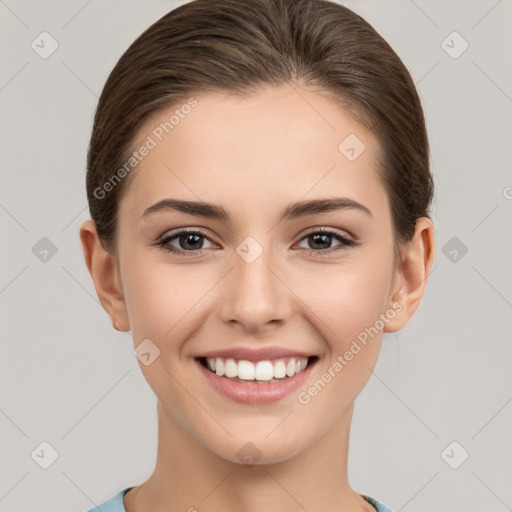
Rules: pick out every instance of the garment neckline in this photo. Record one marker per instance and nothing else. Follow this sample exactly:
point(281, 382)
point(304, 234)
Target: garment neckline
point(372, 501)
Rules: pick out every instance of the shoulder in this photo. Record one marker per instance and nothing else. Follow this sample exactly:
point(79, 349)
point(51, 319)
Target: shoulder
point(114, 504)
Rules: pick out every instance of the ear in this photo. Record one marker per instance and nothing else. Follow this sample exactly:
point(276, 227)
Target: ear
point(411, 274)
point(105, 276)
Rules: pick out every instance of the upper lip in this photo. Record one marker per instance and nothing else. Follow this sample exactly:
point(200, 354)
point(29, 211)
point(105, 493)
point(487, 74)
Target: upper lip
point(259, 354)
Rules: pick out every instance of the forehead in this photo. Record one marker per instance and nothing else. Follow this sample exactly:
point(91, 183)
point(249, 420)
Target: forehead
point(274, 144)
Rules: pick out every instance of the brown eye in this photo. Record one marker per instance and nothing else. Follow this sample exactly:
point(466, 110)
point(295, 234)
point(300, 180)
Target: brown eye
point(320, 241)
point(189, 242)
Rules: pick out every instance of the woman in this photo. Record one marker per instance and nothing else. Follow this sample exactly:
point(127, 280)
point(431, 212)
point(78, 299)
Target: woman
point(259, 187)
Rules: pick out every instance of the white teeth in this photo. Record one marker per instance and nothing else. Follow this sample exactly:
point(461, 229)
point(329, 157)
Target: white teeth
point(280, 369)
point(219, 367)
point(261, 371)
point(230, 368)
point(290, 368)
point(264, 371)
point(246, 370)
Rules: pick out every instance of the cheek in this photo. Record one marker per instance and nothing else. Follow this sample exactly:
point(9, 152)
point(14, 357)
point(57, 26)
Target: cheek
point(163, 302)
point(348, 303)
point(349, 298)
point(156, 301)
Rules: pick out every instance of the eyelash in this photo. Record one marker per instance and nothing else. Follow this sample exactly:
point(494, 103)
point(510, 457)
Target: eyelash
point(345, 241)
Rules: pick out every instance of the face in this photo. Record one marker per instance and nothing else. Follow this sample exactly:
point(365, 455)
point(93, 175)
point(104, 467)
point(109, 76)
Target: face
point(266, 274)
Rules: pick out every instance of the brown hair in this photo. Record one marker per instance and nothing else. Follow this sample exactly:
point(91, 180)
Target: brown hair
point(236, 45)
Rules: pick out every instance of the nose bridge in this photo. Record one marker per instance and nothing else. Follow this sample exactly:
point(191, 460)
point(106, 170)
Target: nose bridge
point(256, 296)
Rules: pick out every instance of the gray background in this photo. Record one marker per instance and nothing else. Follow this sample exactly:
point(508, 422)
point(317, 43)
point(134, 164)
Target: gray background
point(69, 379)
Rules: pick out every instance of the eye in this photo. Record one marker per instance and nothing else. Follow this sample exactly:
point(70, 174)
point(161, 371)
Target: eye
point(321, 239)
point(190, 241)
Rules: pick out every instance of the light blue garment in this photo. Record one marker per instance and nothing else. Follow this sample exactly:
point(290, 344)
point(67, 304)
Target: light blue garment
point(115, 504)
point(379, 506)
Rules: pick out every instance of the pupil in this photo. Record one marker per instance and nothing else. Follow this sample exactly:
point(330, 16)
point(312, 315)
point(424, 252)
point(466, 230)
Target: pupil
point(326, 239)
point(187, 237)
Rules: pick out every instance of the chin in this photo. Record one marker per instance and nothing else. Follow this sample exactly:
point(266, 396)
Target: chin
point(259, 450)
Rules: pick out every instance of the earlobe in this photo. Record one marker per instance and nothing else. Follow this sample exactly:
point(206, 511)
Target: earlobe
point(104, 274)
point(414, 269)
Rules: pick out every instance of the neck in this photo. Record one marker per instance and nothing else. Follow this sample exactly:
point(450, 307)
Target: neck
point(189, 476)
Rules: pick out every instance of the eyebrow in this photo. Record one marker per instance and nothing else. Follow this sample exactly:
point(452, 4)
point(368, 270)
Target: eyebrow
point(292, 211)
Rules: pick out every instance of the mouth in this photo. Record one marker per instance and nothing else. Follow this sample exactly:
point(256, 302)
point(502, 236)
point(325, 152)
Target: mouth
point(262, 372)
point(256, 382)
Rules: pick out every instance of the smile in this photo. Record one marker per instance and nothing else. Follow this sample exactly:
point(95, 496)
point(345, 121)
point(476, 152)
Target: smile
point(260, 371)
point(256, 382)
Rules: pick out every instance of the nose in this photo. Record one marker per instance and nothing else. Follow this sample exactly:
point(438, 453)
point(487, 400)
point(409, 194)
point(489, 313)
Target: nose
point(254, 295)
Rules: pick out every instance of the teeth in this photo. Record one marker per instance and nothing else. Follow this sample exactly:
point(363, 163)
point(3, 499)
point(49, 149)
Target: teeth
point(261, 371)
point(290, 368)
point(230, 369)
point(219, 367)
point(264, 370)
point(246, 370)
point(280, 369)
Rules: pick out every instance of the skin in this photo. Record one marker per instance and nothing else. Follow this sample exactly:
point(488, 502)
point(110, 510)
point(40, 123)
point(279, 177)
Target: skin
point(254, 156)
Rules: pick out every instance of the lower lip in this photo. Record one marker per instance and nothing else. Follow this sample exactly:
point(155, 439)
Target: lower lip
point(254, 393)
